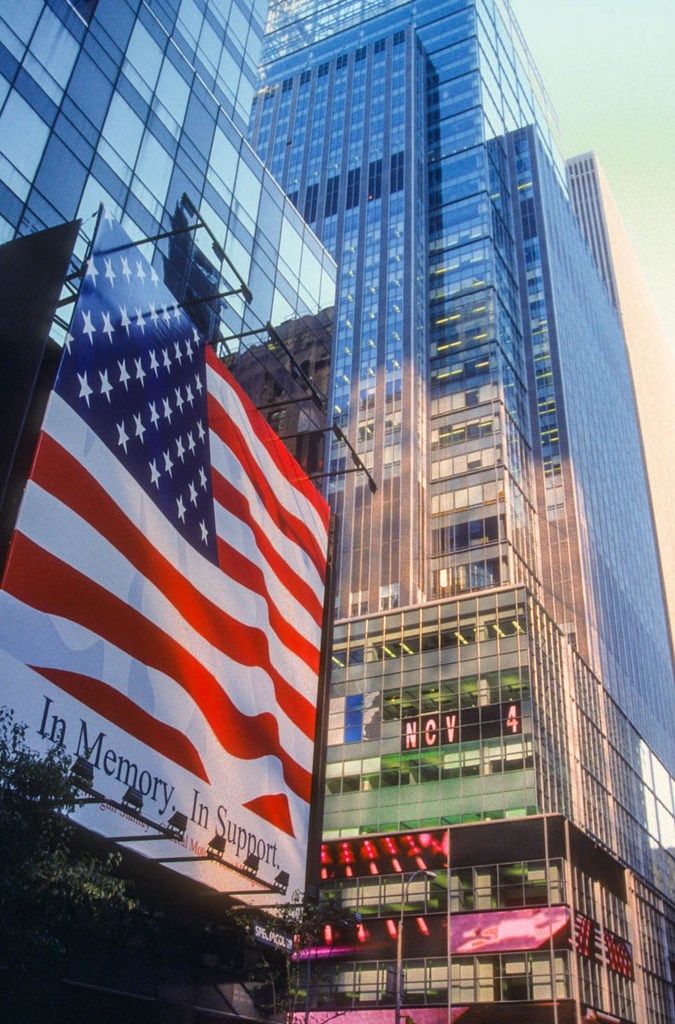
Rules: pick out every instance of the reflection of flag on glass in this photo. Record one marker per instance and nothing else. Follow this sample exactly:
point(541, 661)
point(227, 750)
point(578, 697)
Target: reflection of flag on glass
point(168, 565)
point(585, 935)
point(619, 954)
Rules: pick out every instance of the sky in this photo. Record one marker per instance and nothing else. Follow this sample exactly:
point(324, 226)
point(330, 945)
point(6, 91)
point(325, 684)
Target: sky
point(609, 69)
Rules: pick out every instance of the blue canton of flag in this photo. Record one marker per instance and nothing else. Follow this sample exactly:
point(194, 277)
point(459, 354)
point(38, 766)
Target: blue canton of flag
point(135, 373)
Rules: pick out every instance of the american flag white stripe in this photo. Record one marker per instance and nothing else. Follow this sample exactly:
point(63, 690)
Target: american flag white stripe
point(226, 463)
point(239, 535)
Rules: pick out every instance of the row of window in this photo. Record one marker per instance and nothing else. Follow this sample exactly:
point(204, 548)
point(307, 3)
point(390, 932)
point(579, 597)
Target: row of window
point(487, 887)
point(494, 757)
point(457, 635)
point(498, 978)
point(459, 536)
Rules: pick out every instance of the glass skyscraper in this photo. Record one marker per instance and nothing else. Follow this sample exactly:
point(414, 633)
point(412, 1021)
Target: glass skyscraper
point(501, 700)
point(652, 356)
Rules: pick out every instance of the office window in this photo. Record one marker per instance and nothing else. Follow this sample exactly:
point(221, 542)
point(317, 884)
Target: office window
point(396, 177)
point(311, 200)
point(332, 196)
point(353, 187)
point(374, 180)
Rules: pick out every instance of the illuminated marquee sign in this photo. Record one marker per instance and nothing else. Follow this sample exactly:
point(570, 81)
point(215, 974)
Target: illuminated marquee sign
point(385, 855)
point(272, 937)
point(449, 727)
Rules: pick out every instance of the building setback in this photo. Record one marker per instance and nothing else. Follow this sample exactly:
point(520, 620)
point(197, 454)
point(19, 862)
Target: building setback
point(501, 648)
point(651, 355)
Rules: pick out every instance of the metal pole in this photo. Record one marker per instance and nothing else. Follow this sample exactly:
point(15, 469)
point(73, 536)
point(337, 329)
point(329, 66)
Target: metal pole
point(430, 875)
point(399, 960)
point(449, 933)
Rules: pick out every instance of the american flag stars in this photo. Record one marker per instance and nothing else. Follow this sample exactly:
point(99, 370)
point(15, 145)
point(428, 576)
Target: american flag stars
point(137, 386)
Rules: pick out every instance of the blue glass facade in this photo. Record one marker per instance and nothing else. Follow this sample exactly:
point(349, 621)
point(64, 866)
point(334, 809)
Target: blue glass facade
point(134, 105)
point(507, 559)
point(594, 501)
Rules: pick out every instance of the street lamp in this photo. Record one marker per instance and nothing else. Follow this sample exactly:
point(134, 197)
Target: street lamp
point(399, 939)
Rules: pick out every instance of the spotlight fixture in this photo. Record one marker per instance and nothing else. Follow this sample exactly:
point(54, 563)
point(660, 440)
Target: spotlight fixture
point(216, 848)
point(133, 800)
point(177, 824)
point(252, 863)
point(281, 882)
point(82, 773)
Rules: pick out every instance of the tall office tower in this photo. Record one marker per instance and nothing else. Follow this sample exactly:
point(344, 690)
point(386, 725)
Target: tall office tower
point(501, 698)
point(651, 354)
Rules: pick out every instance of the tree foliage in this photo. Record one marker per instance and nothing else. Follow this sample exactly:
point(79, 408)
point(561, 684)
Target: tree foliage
point(292, 981)
point(50, 888)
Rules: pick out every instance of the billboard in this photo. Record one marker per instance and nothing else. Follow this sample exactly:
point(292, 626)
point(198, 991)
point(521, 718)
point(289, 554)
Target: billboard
point(385, 855)
point(490, 931)
point(161, 607)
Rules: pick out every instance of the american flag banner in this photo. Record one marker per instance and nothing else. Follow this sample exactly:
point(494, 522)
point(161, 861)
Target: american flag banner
point(586, 935)
point(619, 954)
point(161, 606)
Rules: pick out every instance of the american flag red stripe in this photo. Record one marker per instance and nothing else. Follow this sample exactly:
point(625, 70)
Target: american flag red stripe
point(288, 523)
point(114, 706)
point(53, 587)
point(276, 449)
point(168, 567)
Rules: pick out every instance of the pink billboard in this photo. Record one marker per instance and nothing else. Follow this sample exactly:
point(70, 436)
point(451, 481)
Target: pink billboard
point(425, 1015)
point(505, 931)
point(488, 1013)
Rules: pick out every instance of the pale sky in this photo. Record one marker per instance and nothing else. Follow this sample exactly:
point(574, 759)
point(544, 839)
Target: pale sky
point(609, 67)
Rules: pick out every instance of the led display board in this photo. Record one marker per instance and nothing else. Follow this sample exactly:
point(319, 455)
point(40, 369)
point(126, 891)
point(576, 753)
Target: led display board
point(445, 728)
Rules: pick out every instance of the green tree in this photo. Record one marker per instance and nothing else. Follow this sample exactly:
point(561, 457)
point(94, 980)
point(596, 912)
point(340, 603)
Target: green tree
point(51, 888)
point(292, 983)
